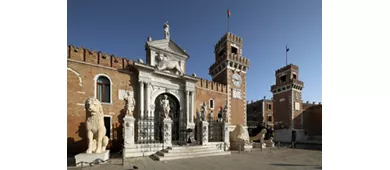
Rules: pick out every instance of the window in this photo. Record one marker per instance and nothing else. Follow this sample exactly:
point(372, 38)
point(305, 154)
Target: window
point(103, 91)
point(269, 107)
point(269, 118)
point(211, 103)
point(294, 76)
point(283, 78)
point(234, 50)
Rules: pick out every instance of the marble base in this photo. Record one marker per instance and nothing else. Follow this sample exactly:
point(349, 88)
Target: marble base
point(95, 158)
point(241, 146)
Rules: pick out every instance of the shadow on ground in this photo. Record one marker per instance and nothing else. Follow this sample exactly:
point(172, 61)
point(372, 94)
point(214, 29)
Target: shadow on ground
point(295, 165)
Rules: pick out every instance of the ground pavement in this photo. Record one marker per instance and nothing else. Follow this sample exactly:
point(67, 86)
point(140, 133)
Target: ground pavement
point(267, 159)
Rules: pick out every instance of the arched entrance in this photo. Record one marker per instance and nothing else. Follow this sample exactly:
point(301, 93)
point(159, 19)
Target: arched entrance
point(174, 114)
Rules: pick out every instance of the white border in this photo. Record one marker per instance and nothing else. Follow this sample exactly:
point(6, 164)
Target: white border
point(95, 80)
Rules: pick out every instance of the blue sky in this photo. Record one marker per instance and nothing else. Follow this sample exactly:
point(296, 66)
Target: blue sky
point(121, 28)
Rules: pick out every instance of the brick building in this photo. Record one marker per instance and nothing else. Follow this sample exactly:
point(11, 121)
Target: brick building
point(108, 77)
point(259, 112)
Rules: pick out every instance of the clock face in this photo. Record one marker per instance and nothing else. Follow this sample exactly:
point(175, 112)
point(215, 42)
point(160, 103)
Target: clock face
point(236, 80)
point(297, 96)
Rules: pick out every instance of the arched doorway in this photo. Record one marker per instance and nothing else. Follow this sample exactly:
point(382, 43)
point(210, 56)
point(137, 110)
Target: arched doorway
point(174, 114)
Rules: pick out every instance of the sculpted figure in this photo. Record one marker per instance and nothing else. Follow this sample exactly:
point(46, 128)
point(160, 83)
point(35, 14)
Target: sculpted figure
point(130, 103)
point(240, 134)
point(96, 131)
point(166, 30)
point(165, 63)
point(165, 105)
point(203, 111)
point(260, 136)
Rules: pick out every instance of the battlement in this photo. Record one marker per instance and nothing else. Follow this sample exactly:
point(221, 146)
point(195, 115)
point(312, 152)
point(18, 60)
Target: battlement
point(99, 58)
point(214, 86)
point(238, 58)
point(312, 103)
point(229, 37)
point(288, 67)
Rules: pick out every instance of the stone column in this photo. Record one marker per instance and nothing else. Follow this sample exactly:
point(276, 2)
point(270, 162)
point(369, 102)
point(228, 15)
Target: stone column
point(141, 99)
point(192, 107)
point(226, 136)
point(167, 137)
point(205, 132)
point(147, 104)
point(128, 131)
point(188, 107)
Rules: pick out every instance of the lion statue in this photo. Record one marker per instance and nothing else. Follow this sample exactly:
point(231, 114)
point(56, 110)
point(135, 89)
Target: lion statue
point(96, 131)
point(259, 136)
point(165, 63)
point(240, 134)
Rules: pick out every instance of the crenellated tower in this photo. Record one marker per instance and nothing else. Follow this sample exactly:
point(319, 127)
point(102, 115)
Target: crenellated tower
point(287, 95)
point(230, 68)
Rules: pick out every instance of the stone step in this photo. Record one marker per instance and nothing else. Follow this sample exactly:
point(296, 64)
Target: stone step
point(185, 153)
point(160, 158)
point(189, 147)
point(187, 150)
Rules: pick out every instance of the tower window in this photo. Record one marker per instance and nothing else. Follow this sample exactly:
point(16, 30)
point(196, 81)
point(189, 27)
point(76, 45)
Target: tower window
point(269, 106)
point(294, 76)
point(234, 50)
point(283, 78)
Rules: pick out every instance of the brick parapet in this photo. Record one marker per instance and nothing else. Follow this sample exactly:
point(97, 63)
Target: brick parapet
point(98, 58)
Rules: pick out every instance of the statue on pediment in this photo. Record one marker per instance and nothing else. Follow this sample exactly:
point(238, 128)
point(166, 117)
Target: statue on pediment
point(166, 30)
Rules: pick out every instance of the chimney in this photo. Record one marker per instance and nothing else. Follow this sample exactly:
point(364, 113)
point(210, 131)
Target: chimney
point(319, 103)
point(314, 102)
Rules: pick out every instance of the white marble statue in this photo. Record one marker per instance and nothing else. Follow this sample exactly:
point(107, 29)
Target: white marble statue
point(203, 111)
point(260, 136)
point(130, 104)
point(96, 131)
point(166, 107)
point(240, 134)
point(166, 30)
point(166, 63)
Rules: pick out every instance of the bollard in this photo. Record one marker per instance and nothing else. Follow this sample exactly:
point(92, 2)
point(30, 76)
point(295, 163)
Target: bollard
point(261, 145)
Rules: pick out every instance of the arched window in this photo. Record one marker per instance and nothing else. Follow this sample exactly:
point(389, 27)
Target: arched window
point(103, 89)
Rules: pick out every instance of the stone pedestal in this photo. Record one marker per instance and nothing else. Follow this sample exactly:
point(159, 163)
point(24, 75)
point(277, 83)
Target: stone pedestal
point(84, 159)
point(205, 132)
point(269, 143)
point(128, 131)
point(167, 132)
point(226, 138)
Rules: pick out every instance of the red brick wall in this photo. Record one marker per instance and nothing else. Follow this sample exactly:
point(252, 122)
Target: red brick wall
point(312, 119)
point(282, 110)
point(206, 90)
point(77, 95)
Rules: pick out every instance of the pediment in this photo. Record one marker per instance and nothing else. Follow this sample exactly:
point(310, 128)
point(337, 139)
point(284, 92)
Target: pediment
point(168, 45)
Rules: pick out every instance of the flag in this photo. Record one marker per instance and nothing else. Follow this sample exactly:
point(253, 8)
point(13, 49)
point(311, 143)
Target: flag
point(287, 49)
point(228, 12)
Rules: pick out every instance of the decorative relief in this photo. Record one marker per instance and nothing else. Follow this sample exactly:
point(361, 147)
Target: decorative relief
point(237, 94)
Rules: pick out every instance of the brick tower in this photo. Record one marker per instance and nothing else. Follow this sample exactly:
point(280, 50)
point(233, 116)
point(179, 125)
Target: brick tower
point(230, 69)
point(287, 93)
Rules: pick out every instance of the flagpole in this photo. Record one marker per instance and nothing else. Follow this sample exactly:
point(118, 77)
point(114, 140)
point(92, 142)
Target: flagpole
point(228, 21)
point(286, 54)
